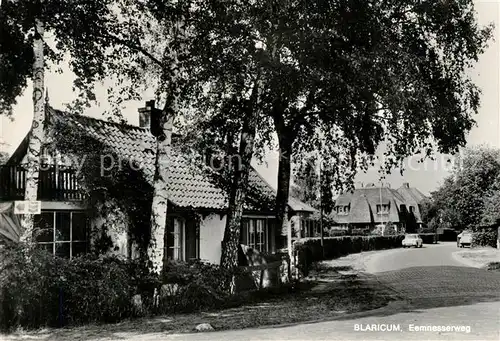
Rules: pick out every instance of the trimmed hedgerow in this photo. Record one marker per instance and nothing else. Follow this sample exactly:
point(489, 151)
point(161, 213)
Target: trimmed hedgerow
point(428, 238)
point(309, 250)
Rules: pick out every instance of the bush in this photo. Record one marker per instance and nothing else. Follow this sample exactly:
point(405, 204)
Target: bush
point(488, 238)
point(494, 266)
point(309, 250)
point(37, 289)
point(196, 285)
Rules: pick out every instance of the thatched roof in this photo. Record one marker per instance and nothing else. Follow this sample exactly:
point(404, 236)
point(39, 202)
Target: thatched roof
point(362, 203)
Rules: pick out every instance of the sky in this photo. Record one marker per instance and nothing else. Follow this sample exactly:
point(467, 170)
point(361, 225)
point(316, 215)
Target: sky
point(425, 176)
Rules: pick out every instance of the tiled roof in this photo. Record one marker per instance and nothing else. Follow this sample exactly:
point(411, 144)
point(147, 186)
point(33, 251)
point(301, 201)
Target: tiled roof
point(189, 183)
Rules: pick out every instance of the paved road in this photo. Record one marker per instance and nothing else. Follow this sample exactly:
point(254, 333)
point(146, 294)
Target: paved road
point(439, 292)
point(429, 255)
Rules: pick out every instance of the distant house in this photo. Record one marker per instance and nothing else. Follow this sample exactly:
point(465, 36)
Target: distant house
point(368, 206)
point(101, 197)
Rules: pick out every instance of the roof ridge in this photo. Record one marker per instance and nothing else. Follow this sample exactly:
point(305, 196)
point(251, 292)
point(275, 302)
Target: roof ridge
point(118, 124)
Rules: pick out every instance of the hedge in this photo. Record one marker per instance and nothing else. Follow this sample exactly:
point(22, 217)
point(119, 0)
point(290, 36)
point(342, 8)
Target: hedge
point(488, 238)
point(428, 238)
point(448, 235)
point(309, 250)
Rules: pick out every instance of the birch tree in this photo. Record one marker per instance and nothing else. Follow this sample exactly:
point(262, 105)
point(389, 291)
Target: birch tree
point(36, 134)
point(133, 45)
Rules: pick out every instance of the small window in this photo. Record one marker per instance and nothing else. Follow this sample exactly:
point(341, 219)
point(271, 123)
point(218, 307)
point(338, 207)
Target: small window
point(412, 209)
point(343, 210)
point(255, 234)
point(175, 239)
point(382, 209)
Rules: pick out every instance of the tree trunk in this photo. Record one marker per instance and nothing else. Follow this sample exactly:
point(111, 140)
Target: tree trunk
point(229, 256)
point(283, 191)
point(156, 250)
point(36, 134)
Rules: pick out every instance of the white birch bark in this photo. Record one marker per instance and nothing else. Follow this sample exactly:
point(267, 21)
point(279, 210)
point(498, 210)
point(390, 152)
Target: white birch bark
point(157, 250)
point(36, 134)
point(157, 246)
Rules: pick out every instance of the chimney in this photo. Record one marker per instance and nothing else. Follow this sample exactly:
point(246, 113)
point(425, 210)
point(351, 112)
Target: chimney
point(149, 118)
point(406, 185)
point(145, 115)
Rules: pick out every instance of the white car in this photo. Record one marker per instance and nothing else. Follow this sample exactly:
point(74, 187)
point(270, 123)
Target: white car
point(464, 239)
point(412, 240)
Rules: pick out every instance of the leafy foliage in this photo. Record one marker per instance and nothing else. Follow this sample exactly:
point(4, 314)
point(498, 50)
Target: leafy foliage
point(485, 238)
point(37, 289)
point(4, 157)
point(467, 198)
point(491, 211)
point(343, 86)
point(306, 182)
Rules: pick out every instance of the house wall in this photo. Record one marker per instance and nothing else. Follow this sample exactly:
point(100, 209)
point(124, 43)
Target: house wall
point(211, 235)
point(116, 226)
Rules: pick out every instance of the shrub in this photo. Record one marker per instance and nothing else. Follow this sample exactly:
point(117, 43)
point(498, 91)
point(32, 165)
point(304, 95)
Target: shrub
point(488, 238)
point(195, 285)
point(37, 289)
point(494, 266)
point(309, 250)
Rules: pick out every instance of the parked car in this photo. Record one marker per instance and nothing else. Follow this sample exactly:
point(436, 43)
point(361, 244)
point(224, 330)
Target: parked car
point(412, 240)
point(464, 239)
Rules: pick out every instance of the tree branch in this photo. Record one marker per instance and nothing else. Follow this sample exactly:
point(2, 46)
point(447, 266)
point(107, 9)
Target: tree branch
point(134, 47)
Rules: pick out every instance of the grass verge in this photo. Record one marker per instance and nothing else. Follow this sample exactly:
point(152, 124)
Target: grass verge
point(479, 257)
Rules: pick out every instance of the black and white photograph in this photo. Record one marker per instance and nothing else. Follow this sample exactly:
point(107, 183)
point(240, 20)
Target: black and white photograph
point(249, 170)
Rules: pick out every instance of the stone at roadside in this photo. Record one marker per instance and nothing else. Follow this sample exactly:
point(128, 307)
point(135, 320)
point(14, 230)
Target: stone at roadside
point(203, 327)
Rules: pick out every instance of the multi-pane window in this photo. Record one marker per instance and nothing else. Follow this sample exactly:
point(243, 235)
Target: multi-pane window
point(255, 233)
point(175, 238)
point(383, 209)
point(62, 233)
point(343, 210)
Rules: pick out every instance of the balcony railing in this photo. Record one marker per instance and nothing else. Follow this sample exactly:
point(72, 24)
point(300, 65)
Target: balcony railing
point(55, 183)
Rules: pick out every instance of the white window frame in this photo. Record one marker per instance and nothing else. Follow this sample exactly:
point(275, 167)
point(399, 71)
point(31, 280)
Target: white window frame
point(179, 234)
point(253, 224)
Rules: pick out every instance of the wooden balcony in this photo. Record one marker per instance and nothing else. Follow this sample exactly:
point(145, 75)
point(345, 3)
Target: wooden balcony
point(55, 183)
